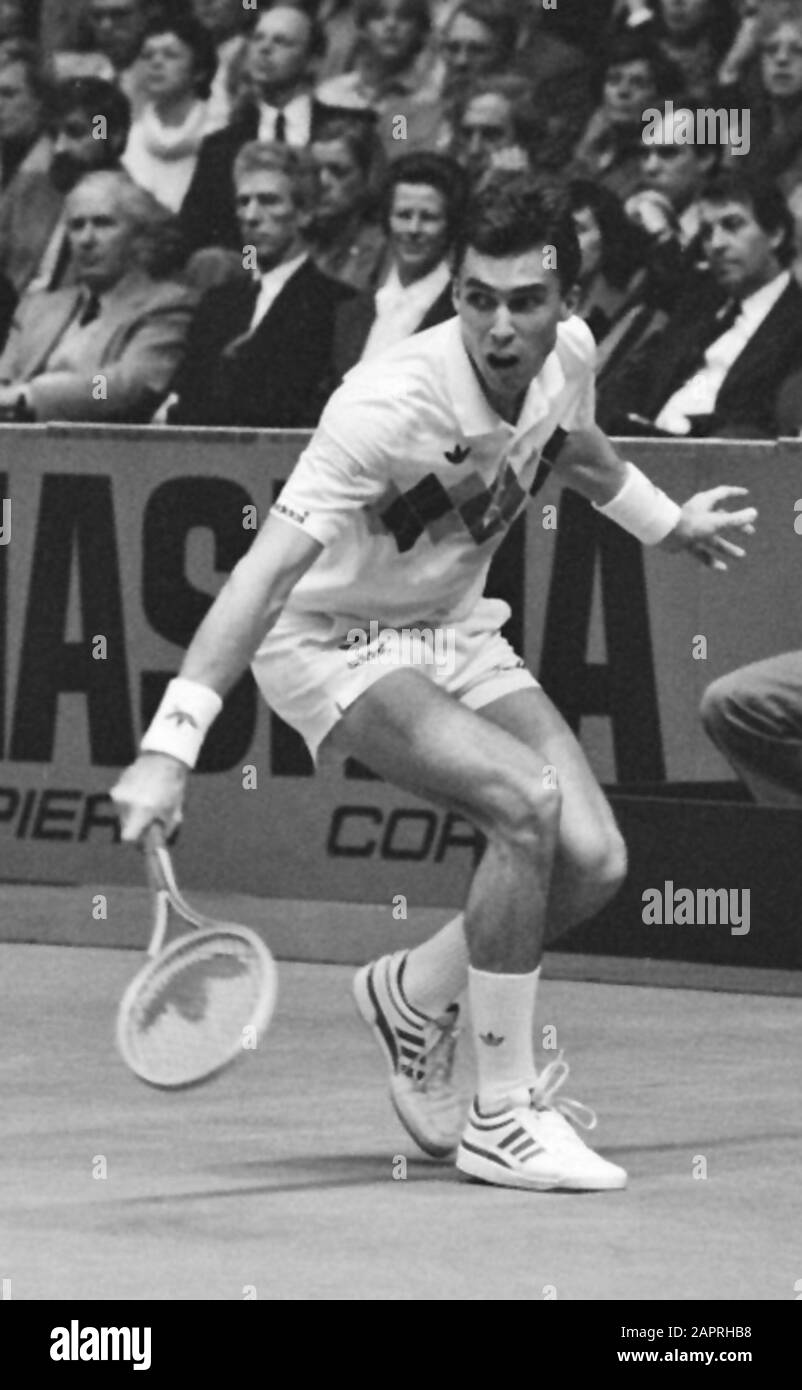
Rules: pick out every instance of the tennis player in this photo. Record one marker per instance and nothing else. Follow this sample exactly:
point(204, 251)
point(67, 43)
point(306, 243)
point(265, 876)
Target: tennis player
point(422, 460)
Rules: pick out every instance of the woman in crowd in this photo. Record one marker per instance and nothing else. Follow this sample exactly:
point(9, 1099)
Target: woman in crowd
point(634, 78)
point(178, 58)
point(613, 255)
point(773, 93)
point(345, 240)
point(696, 36)
point(422, 207)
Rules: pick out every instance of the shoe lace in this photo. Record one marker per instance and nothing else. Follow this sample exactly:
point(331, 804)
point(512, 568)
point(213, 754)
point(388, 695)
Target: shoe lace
point(435, 1063)
point(543, 1095)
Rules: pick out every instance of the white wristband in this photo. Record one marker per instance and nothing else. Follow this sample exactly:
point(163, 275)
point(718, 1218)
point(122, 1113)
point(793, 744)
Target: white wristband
point(181, 722)
point(642, 509)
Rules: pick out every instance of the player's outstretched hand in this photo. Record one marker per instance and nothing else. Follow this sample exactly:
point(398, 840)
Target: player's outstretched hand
point(150, 789)
point(704, 527)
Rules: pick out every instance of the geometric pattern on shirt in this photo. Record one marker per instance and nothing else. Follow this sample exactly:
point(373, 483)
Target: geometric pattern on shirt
point(430, 507)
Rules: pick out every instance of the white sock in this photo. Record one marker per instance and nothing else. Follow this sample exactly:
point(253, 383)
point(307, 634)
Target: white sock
point(436, 972)
point(502, 1020)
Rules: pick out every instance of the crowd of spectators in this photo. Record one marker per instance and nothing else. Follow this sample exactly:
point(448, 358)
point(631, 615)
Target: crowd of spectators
point(210, 210)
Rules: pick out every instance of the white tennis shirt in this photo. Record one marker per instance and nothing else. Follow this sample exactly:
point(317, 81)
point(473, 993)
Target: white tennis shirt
point(412, 480)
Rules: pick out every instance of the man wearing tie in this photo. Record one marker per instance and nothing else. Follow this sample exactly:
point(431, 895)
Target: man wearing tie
point(718, 366)
point(260, 349)
point(107, 348)
point(280, 109)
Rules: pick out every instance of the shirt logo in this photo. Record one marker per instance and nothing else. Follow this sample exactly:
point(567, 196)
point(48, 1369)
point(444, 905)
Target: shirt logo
point(457, 454)
point(182, 717)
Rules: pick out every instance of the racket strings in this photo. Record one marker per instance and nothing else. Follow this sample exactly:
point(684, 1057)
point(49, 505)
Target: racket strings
point(191, 1015)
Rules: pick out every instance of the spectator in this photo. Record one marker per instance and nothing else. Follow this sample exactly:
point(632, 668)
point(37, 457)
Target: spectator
point(34, 246)
point(25, 96)
point(397, 73)
point(479, 39)
point(634, 79)
point(12, 20)
point(498, 117)
point(107, 348)
point(697, 36)
point(178, 61)
point(677, 170)
point(614, 254)
point(226, 21)
point(336, 19)
point(278, 106)
point(560, 74)
point(116, 28)
point(345, 243)
point(776, 126)
point(423, 205)
point(260, 351)
point(719, 365)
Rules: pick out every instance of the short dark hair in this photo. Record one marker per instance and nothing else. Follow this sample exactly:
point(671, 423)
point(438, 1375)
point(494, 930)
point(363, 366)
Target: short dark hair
point(508, 215)
point(624, 245)
point(634, 48)
point(95, 97)
point(196, 38)
point(766, 200)
point(435, 171)
point(419, 10)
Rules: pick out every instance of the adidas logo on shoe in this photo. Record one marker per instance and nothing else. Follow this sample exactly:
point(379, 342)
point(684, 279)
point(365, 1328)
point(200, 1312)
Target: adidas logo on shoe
point(491, 1039)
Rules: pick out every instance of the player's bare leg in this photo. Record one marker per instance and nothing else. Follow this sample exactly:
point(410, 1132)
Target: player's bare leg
point(414, 735)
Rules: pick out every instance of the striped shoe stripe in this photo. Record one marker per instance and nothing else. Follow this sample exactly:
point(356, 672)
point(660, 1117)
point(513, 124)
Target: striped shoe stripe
point(381, 1021)
point(527, 1148)
point(486, 1153)
point(514, 1134)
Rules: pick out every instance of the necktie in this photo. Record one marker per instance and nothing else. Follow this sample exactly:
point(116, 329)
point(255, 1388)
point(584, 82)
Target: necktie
point(90, 310)
point(280, 129)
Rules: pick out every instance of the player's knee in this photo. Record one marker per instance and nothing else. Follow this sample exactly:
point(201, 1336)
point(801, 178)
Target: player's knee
point(529, 814)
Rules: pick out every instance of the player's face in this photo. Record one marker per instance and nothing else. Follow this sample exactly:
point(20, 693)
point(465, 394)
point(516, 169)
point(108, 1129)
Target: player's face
point(100, 239)
point(742, 255)
point(781, 61)
point(268, 216)
point(509, 309)
point(418, 228)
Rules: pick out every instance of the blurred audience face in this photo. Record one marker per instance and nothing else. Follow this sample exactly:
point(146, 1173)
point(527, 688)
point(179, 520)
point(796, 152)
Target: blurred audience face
point(101, 238)
point(591, 242)
point(681, 17)
point(781, 61)
point(341, 182)
point(393, 35)
point(741, 254)
point(117, 27)
point(20, 108)
point(509, 309)
point(268, 216)
point(486, 127)
point(76, 151)
point(629, 88)
point(169, 68)
point(278, 51)
point(418, 226)
point(674, 169)
point(12, 19)
point(469, 48)
point(221, 17)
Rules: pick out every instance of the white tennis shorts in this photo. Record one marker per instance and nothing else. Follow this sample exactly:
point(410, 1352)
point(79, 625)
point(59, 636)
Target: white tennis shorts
point(311, 667)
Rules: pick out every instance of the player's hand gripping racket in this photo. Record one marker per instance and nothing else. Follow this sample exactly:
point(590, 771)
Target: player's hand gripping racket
point(200, 1001)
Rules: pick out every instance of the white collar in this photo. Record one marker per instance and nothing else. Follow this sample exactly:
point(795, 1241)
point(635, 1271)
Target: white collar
point(299, 103)
point(428, 287)
point(281, 272)
point(762, 300)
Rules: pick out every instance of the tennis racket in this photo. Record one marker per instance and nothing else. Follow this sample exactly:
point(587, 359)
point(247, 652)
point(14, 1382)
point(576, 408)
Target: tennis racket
point(199, 1002)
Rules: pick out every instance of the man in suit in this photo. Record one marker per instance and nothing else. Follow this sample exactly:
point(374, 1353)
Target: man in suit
point(281, 48)
point(260, 349)
point(718, 366)
point(34, 246)
point(106, 349)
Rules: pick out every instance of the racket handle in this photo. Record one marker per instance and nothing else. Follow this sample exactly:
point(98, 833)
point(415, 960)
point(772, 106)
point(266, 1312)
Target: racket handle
point(157, 857)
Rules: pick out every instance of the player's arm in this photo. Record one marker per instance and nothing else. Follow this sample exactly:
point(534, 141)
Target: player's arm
point(245, 610)
point(586, 460)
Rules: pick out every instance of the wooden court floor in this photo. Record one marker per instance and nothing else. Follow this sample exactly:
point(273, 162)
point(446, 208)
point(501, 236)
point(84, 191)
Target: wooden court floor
point(285, 1179)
